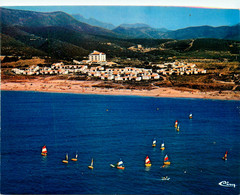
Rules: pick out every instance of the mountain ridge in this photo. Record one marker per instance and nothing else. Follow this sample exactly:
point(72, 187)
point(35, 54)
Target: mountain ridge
point(60, 35)
point(93, 22)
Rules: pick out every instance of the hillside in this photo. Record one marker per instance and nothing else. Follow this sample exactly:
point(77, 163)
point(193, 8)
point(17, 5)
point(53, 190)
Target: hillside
point(40, 19)
point(222, 32)
point(139, 32)
point(59, 35)
point(93, 22)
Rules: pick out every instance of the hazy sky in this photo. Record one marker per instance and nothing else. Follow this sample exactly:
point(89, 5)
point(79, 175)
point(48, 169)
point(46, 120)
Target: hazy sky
point(155, 16)
point(226, 4)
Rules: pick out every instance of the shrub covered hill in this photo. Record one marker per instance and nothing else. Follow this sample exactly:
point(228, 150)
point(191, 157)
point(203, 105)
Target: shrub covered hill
point(60, 35)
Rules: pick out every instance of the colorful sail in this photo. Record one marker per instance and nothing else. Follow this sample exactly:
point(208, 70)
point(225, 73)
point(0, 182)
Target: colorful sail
point(44, 149)
point(166, 161)
point(166, 158)
point(147, 160)
point(120, 165)
point(225, 156)
point(176, 124)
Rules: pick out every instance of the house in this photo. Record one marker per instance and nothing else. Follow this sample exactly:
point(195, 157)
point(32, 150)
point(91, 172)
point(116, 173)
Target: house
point(97, 56)
point(118, 78)
point(111, 64)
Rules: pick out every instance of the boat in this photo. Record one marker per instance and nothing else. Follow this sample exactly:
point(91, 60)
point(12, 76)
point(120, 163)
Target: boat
point(178, 128)
point(44, 151)
point(120, 165)
point(176, 124)
point(162, 146)
point(91, 166)
point(147, 162)
point(165, 178)
point(154, 142)
point(66, 159)
point(225, 156)
point(226, 184)
point(75, 159)
point(166, 160)
point(190, 116)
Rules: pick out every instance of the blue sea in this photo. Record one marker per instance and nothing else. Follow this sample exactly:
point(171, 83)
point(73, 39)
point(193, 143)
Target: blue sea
point(107, 128)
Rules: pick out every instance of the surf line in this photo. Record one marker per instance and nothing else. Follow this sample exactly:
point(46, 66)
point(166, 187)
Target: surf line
point(226, 184)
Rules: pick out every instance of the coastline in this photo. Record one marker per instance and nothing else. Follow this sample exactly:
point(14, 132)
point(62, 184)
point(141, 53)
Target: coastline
point(87, 87)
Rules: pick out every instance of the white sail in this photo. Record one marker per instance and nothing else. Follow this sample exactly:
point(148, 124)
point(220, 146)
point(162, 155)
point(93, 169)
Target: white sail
point(92, 162)
point(120, 163)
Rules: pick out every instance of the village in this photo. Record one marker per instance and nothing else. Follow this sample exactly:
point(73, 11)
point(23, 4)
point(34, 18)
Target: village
point(97, 67)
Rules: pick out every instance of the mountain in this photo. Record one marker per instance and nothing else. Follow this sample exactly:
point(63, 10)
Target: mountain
point(9, 46)
point(93, 22)
point(59, 35)
point(139, 32)
point(54, 34)
point(222, 32)
point(39, 19)
point(136, 25)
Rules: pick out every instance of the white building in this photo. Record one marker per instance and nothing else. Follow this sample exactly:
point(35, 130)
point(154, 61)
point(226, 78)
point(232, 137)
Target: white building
point(97, 56)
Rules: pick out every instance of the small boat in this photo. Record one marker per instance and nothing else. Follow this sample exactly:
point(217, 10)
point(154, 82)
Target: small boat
point(166, 160)
point(91, 166)
point(75, 159)
point(190, 116)
point(66, 159)
point(225, 156)
point(44, 151)
point(162, 146)
point(154, 142)
point(147, 162)
point(120, 165)
point(112, 165)
point(176, 124)
point(178, 128)
point(165, 178)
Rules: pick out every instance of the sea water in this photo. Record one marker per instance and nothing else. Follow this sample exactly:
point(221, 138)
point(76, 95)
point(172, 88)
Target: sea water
point(107, 128)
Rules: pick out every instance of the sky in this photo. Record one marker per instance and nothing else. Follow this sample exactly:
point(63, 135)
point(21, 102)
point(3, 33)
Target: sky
point(232, 4)
point(156, 16)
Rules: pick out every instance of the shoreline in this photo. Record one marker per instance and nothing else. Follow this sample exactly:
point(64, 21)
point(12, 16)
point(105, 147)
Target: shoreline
point(87, 87)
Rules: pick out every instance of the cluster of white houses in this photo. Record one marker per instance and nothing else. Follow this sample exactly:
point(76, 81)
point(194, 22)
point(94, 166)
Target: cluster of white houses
point(116, 74)
point(104, 72)
point(178, 68)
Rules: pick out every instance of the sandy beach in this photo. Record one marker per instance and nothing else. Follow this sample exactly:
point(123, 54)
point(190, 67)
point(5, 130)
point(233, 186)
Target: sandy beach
point(87, 87)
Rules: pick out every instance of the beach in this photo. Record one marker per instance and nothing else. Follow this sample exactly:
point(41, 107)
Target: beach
point(89, 87)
